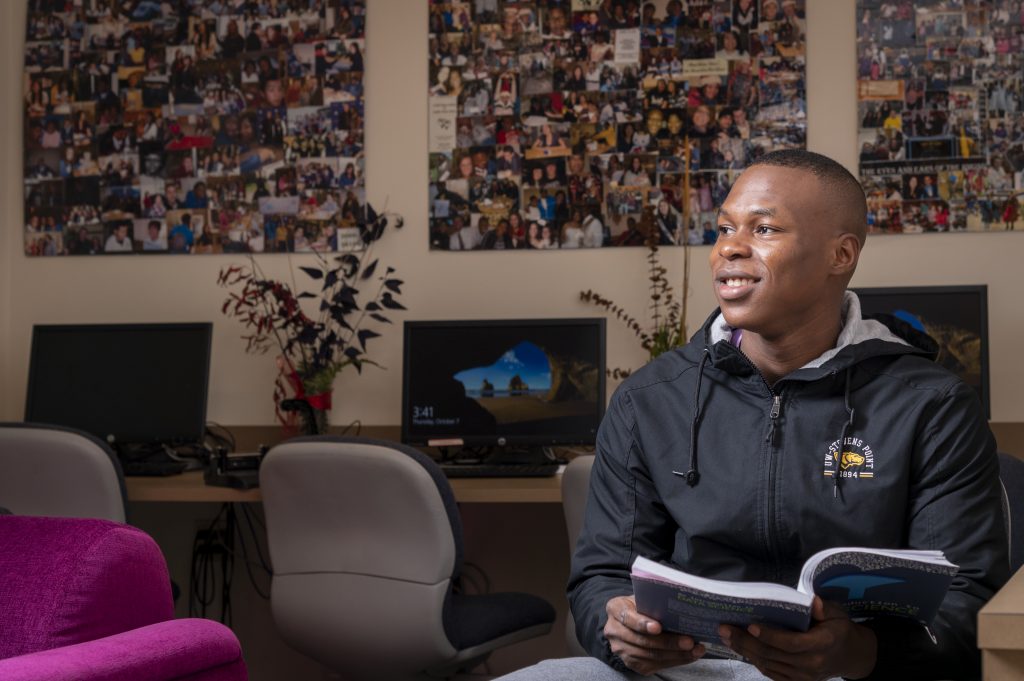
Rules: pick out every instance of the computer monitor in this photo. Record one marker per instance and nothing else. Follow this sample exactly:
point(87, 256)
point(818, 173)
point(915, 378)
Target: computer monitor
point(533, 382)
point(956, 317)
point(126, 383)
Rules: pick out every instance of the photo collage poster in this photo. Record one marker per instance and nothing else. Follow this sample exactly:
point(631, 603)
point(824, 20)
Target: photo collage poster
point(557, 123)
point(941, 136)
point(199, 126)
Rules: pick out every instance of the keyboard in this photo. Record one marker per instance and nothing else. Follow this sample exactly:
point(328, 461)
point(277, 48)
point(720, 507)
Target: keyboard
point(153, 468)
point(499, 470)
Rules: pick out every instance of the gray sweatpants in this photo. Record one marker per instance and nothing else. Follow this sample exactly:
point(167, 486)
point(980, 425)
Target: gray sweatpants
point(591, 669)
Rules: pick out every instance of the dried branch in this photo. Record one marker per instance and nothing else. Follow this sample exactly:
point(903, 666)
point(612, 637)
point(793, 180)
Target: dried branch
point(667, 327)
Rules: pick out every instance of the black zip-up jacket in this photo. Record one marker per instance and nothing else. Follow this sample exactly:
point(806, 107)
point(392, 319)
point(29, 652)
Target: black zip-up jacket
point(702, 464)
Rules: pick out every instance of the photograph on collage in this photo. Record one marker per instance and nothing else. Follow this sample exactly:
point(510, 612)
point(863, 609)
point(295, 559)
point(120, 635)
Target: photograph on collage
point(941, 138)
point(193, 127)
point(598, 123)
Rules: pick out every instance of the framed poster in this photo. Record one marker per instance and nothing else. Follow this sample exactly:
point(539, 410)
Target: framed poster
point(956, 317)
point(941, 137)
point(560, 123)
point(193, 127)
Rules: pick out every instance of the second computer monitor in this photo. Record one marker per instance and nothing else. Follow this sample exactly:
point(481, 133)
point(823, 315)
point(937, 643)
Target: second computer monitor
point(504, 382)
point(125, 383)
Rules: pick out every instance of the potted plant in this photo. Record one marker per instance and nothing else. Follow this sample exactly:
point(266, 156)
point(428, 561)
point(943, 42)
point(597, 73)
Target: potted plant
point(319, 330)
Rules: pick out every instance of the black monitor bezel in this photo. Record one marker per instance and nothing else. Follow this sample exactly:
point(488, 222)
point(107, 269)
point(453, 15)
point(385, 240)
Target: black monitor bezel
point(980, 291)
point(496, 439)
point(133, 326)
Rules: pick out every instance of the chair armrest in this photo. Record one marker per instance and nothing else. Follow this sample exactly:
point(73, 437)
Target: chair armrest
point(196, 649)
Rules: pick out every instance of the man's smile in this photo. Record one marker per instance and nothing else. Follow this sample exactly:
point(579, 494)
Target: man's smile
point(734, 285)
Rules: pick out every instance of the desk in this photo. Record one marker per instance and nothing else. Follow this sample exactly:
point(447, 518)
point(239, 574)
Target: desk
point(191, 488)
point(1001, 633)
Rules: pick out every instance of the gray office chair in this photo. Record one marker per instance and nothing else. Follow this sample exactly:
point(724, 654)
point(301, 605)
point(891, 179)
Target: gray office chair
point(575, 487)
point(55, 471)
point(365, 542)
point(1011, 475)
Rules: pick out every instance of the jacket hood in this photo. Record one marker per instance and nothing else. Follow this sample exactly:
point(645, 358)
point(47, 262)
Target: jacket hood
point(861, 338)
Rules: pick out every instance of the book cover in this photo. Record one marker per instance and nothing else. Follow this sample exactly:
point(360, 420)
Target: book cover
point(866, 582)
point(869, 584)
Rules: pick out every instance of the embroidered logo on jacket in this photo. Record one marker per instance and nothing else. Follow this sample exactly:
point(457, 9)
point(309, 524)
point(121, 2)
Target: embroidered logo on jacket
point(855, 459)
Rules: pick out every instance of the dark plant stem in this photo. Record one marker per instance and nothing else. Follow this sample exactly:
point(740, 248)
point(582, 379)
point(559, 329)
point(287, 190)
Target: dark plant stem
point(652, 258)
point(258, 272)
point(685, 293)
point(355, 273)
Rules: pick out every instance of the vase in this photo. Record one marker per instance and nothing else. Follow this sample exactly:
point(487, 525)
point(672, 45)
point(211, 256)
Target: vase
point(314, 420)
point(308, 412)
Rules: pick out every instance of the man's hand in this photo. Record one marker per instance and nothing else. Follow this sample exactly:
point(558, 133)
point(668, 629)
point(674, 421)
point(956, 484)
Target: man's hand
point(833, 646)
point(639, 642)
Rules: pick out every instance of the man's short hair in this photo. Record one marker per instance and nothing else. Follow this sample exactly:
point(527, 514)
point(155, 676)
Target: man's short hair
point(847, 191)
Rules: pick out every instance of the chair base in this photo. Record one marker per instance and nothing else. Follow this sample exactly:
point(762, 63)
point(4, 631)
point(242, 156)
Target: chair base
point(471, 657)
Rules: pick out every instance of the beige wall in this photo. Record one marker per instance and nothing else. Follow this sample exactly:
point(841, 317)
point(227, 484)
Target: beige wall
point(440, 285)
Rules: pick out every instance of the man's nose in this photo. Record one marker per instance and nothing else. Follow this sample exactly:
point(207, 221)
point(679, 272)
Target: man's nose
point(735, 245)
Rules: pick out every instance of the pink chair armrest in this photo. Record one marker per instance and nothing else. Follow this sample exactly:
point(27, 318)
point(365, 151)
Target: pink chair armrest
point(193, 649)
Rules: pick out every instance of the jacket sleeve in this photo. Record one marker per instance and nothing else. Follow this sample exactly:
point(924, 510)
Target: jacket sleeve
point(624, 518)
point(955, 506)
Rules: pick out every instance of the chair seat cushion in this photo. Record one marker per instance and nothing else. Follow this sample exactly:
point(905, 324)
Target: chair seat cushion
point(470, 620)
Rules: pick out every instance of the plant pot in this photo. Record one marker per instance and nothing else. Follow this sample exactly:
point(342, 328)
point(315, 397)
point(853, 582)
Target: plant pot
point(309, 415)
point(314, 421)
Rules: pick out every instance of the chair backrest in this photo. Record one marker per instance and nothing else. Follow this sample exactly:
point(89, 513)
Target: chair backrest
point(65, 581)
point(60, 472)
point(1011, 475)
point(364, 538)
point(575, 487)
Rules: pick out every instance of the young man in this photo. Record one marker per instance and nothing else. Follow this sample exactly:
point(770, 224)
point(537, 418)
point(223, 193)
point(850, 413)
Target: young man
point(720, 458)
point(119, 241)
point(155, 241)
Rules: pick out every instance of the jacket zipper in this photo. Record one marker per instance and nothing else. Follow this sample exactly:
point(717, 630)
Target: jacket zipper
point(771, 441)
point(769, 501)
point(774, 415)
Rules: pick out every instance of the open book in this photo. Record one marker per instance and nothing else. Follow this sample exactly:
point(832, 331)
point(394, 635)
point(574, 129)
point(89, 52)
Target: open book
point(866, 582)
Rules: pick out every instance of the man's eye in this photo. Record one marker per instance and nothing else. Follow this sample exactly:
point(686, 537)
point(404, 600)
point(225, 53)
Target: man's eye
point(764, 229)
point(722, 229)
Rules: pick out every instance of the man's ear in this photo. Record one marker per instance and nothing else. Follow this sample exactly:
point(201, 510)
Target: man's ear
point(845, 254)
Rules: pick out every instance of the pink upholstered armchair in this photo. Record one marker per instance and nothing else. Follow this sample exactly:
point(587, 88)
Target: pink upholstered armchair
point(90, 599)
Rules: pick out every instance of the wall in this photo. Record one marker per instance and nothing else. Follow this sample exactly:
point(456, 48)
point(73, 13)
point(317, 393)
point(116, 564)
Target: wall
point(440, 285)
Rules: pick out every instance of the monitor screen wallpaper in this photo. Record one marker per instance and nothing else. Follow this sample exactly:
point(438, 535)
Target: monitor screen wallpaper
point(528, 382)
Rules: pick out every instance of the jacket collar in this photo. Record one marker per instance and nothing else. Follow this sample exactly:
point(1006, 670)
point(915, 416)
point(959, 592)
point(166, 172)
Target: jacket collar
point(859, 339)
